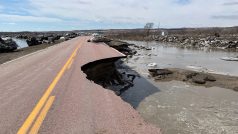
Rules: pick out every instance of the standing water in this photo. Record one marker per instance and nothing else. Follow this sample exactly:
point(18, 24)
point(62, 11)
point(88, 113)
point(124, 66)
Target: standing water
point(20, 42)
point(177, 107)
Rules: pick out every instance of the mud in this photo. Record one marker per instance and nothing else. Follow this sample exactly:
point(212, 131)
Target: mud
point(195, 78)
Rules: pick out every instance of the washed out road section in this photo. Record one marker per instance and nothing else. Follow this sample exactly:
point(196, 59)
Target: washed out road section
point(80, 106)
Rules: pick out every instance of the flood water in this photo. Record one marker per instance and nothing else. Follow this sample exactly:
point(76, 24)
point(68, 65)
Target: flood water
point(177, 107)
point(204, 60)
point(20, 42)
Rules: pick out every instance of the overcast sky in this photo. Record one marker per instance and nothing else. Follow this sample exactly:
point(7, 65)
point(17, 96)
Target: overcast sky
point(45, 15)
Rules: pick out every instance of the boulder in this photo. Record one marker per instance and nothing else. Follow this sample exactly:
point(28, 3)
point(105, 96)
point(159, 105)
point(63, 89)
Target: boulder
point(199, 79)
point(203, 78)
point(231, 44)
point(33, 41)
point(7, 45)
point(190, 75)
point(235, 89)
point(22, 37)
point(210, 78)
point(51, 39)
point(98, 39)
point(1, 40)
point(157, 72)
point(71, 35)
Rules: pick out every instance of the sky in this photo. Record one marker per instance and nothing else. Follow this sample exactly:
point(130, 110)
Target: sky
point(58, 15)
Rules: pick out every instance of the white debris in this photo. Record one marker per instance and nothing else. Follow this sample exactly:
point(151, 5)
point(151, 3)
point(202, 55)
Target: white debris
point(152, 65)
point(230, 58)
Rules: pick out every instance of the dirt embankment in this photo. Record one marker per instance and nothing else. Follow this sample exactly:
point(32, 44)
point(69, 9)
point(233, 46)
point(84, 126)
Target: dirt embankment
point(195, 78)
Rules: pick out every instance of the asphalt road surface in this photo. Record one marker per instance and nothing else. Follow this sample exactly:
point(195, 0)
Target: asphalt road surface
point(46, 92)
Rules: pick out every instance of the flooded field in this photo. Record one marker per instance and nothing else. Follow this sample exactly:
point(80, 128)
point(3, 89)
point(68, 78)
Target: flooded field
point(178, 107)
point(169, 57)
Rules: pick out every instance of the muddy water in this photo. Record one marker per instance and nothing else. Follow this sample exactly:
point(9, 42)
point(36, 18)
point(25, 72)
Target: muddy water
point(204, 60)
point(177, 107)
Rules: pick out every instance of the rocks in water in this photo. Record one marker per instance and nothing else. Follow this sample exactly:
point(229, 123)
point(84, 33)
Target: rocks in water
point(159, 72)
point(199, 78)
point(7, 45)
point(210, 78)
point(148, 48)
point(190, 76)
point(235, 89)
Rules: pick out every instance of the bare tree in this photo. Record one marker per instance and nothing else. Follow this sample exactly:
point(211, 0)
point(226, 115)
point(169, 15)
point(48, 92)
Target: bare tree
point(148, 27)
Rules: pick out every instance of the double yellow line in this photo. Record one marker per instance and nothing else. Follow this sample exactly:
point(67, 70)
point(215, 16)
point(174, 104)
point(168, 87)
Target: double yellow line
point(45, 101)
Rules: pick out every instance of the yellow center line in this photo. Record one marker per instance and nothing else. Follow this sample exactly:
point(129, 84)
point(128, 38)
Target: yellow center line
point(42, 115)
point(28, 122)
point(70, 64)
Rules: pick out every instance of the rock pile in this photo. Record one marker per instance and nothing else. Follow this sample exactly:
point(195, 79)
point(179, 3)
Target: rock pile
point(7, 45)
point(189, 76)
point(121, 46)
point(199, 78)
point(212, 42)
point(33, 40)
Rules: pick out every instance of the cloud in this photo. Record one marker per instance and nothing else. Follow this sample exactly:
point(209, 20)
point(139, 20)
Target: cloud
point(228, 17)
point(20, 18)
point(86, 14)
point(183, 2)
point(230, 3)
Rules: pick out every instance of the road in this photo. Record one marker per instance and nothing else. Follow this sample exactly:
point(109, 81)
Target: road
point(46, 92)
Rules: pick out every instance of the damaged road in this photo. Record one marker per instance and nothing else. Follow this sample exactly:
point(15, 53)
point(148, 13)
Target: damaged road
point(111, 74)
point(77, 104)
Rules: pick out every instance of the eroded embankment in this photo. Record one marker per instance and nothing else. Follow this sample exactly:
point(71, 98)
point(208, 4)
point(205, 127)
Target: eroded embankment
point(195, 78)
point(110, 74)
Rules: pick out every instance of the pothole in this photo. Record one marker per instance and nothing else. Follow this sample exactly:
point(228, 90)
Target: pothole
point(111, 74)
